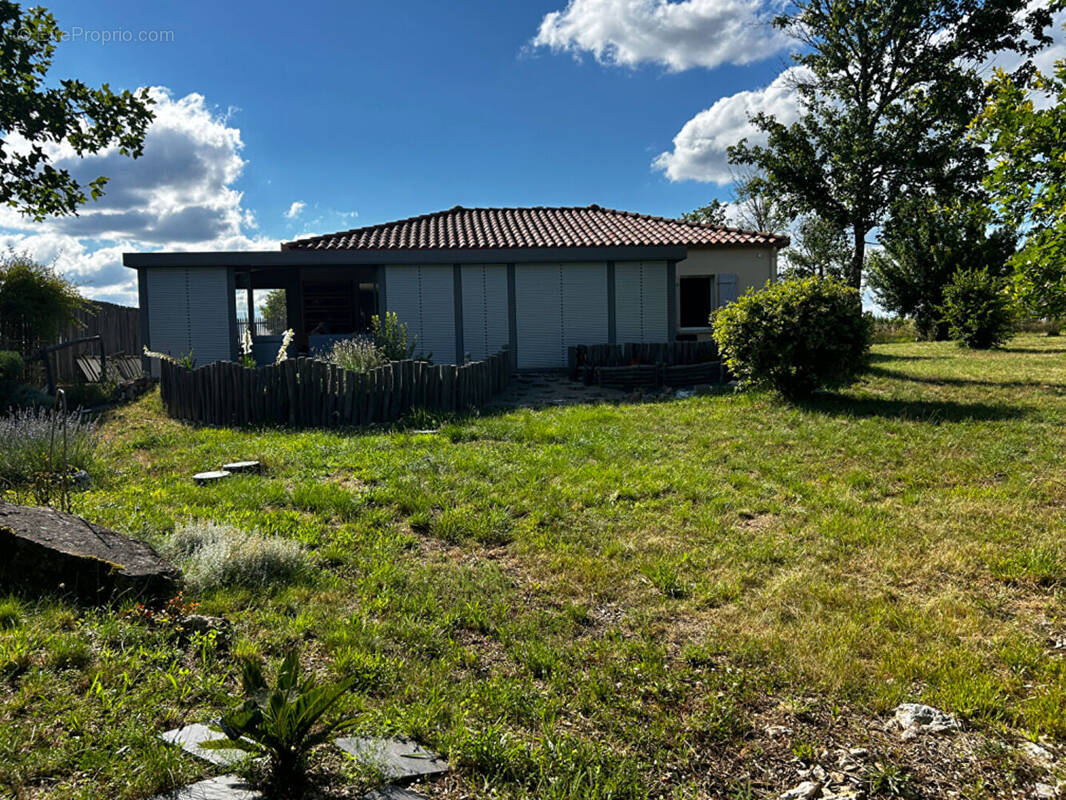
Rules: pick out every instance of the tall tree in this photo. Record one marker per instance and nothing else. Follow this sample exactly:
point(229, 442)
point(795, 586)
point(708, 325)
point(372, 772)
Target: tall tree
point(925, 241)
point(819, 248)
point(1023, 128)
point(887, 90)
point(714, 213)
point(757, 205)
point(35, 117)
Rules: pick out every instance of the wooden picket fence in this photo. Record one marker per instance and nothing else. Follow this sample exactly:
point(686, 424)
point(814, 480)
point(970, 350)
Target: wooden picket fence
point(311, 393)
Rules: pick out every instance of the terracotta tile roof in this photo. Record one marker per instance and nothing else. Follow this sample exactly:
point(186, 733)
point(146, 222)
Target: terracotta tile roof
point(491, 228)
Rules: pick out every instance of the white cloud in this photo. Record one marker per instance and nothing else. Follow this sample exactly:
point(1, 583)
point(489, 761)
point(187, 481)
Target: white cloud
point(179, 195)
point(678, 35)
point(699, 152)
point(295, 209)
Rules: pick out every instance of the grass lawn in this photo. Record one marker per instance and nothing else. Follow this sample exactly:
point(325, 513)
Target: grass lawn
point(608, 601)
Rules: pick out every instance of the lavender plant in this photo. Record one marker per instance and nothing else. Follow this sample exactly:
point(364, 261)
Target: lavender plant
point(34, 445)
point(358, 355)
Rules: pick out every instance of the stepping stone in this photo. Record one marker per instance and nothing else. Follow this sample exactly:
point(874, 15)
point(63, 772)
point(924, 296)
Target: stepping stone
point(243, 466)
point(392, 793)
point(190, 737)
point(204, 478)
point(399, 760)
point(225, 787)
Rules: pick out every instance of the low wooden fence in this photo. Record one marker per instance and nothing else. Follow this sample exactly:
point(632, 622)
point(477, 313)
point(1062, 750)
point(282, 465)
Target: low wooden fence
point(630, 353)
point(306, 392)
point(647, 364)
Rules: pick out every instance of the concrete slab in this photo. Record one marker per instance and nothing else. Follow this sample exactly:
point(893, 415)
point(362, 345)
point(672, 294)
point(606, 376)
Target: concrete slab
point(224, 787)
point(398, 760)
point(190, 737)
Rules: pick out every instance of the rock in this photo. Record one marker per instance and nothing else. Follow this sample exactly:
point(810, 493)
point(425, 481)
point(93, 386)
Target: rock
point(805, 791)
point(1038, 755)
point(398, 760)
point(43, 550)
point(1045, 791)
point(192, 624)
point(777, 730)
point(915, 718)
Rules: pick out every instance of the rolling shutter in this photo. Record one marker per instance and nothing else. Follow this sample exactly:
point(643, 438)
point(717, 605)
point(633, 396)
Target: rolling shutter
point(211, 304)
point(539, 314)
point(423, 298)
point(485, 327)
point(558, 305)
point(188, 311)
point(640, 301)
point(584, 306)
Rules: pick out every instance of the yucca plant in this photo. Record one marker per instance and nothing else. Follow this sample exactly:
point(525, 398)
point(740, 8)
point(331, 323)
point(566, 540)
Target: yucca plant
point(283, 722)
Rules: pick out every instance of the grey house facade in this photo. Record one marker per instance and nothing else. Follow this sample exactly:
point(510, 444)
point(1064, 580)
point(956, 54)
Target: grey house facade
point(465, 282)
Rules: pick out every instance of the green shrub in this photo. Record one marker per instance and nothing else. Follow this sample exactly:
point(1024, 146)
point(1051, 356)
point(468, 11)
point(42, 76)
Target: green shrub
point(215, 556)
point(795, 336)
point(358, 355)
point(978, 309)
point(10, 365)
point(87, 395)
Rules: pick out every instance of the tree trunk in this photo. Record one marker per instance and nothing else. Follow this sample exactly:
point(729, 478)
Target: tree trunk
point(858, 255)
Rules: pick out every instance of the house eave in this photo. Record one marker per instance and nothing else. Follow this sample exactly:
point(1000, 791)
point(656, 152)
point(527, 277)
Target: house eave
point(296, 258)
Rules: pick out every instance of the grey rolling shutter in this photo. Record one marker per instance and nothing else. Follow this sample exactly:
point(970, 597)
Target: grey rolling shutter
point(211, 304)
point(641, 301)
point(188, 310)
point(423, 298)
point(654, 306)
point(628, 301)
point(539, 315)
point(437, 286)
point(168, 313)
point(727, 288)
point(584, 306)
point(485, 326)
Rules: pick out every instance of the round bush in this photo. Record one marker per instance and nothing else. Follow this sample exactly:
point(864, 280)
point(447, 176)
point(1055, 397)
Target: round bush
point(10, 365)
point(795, 336)
point(978, 309)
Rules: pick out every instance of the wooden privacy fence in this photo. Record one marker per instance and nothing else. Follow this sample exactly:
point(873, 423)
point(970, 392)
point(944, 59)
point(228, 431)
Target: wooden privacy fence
point(118, 326)
point(306, 392)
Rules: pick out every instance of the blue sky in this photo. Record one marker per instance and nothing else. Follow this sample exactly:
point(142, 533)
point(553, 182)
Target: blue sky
point(277, 120)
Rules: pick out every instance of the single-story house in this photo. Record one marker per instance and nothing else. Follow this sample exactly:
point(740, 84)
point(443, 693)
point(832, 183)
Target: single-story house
point(466, 281)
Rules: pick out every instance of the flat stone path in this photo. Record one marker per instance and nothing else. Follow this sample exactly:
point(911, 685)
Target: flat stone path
point(399, 760)
point(190, 738)
point(538, 389)
point(224, 787)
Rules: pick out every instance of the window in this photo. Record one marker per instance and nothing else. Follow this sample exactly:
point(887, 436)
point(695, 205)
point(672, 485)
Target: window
point(697, 300)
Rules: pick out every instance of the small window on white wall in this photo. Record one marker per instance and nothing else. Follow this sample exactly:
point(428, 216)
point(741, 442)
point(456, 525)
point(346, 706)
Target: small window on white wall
point(696, 301)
